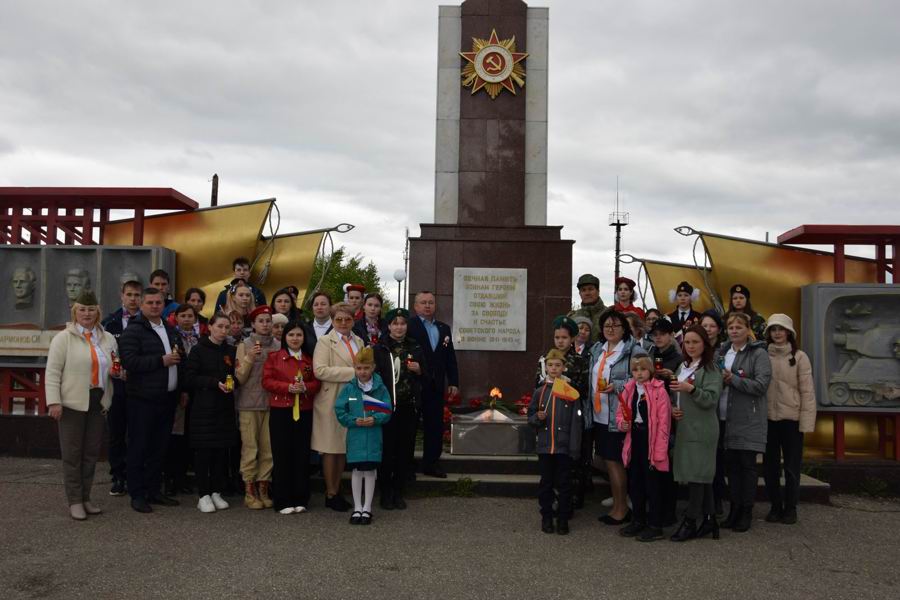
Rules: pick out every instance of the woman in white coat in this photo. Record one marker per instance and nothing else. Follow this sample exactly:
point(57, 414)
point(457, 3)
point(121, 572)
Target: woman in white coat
point(79, 391)
point(333, 366)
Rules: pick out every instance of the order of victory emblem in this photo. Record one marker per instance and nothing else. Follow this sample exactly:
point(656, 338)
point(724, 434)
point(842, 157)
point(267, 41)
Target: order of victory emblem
point(493, 65)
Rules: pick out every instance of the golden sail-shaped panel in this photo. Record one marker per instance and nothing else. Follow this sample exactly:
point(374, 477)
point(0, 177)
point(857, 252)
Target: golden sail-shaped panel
point(665, 276)
point(205, 242)
point(775, 273)
point(291, 260)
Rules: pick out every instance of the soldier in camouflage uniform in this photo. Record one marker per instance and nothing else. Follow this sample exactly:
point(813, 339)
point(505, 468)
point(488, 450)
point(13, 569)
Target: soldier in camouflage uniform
point(400, 432)
point(591, 305)
point(577, 371)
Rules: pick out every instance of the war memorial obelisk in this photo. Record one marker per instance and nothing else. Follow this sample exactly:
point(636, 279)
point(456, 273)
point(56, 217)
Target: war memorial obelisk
point(499, 272)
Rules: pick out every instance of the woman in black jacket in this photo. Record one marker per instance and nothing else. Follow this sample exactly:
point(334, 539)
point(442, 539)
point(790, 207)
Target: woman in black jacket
point(212, 424)
point(400, 432)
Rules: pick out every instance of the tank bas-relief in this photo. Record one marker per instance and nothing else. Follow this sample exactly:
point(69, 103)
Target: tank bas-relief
point(864, 352)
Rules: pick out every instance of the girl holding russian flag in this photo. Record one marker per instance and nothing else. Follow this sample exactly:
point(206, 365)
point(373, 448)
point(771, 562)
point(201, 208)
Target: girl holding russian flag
point(363, 406)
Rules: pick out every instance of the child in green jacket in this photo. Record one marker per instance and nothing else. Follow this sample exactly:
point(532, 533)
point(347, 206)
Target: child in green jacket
point(363, 406)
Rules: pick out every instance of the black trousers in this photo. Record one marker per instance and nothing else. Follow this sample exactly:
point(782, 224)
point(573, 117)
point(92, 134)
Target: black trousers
point(117, 421)
point(178, 456)
point(720, 490)
point(149, 428)
point(290, 441)
point(784, 440)
point(700, 501)
point(398, 447)
point(742, 476)
point(209, 465)
point(432, 427)
point(556, 474)
point(644, 484)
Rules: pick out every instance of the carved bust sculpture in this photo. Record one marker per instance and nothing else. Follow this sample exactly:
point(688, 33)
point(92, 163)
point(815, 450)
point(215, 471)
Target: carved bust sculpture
point(23, 282)
point(77, 281)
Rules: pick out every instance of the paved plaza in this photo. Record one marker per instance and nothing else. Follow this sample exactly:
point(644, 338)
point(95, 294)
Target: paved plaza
point(439, 548)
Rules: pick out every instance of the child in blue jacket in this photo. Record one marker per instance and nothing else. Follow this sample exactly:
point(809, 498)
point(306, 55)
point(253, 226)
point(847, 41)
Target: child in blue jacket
point(363, 406)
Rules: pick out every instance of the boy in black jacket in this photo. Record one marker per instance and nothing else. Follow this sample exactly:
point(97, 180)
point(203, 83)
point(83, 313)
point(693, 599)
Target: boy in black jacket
point(555, 413)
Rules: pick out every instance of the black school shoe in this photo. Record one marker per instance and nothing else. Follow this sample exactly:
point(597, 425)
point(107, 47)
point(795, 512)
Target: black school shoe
point(163, 500)
point(337, 503)
point(399, 502)
point(650, 534)
point(562, 526)
point(366, 518)
point(547, 525)
point(118, 488)
point(775, 515)
point(355, 518)
point(387, 500)
point(140, 505)
point(632, 529)
point(610, 520)
point(789, 517)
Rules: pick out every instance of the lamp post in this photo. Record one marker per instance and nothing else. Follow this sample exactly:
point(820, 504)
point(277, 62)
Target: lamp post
point(399, 276)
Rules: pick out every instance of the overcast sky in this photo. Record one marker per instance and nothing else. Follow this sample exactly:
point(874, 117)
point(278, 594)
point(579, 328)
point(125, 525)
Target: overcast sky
point(733, 117)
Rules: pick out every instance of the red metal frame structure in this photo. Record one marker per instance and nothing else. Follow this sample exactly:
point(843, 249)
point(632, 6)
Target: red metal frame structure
point(840, 236)
point(66, 216)
point(39, 215)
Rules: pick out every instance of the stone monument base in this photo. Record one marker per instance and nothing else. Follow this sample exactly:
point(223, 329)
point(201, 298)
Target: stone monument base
point(539, 249)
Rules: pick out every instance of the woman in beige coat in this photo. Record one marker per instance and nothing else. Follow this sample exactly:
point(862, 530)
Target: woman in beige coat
point(791, 405)
point(79, 391)
point(333, 366)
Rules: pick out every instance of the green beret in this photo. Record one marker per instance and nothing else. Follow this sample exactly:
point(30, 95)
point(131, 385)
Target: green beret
point(564, 322)
point(87, 298)
point(397, 312)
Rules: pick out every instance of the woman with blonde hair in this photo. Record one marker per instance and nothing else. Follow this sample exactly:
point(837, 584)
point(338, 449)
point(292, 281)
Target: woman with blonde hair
point(239, 298)
point(80, 367)
point(333, 366)
point(742, 405)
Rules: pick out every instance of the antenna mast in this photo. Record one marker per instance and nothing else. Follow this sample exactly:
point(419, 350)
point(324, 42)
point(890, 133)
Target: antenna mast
point(618, 219)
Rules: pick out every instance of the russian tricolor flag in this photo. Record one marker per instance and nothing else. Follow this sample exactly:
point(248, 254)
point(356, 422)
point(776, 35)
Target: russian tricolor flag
point(371, 404)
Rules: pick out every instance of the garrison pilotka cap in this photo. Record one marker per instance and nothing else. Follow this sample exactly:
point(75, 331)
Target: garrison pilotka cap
point(366, 356)
point(564, 322)
point(555, 354)
point(588, 279)
point(740, 289)
point(87, 298)
point(397, 312)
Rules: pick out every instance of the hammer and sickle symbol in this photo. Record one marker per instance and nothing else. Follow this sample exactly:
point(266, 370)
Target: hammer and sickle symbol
point(493, 64)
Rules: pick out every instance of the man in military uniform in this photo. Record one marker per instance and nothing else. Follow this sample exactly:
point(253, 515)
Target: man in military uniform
point(591, 305)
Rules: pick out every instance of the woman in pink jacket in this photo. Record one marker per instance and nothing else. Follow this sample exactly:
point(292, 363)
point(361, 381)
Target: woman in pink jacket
point(645, 415)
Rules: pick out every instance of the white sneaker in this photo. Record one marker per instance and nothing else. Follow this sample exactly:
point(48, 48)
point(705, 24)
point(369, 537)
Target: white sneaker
point(286, 511)
point(299, 509)
point(219, 501)
point(608, 502)
point(206, 504)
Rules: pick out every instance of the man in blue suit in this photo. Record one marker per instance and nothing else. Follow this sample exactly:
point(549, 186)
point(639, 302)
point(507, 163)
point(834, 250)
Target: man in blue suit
point(436, 340)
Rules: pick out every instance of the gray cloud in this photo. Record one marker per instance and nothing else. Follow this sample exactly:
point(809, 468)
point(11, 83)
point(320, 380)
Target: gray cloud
point(733, 117)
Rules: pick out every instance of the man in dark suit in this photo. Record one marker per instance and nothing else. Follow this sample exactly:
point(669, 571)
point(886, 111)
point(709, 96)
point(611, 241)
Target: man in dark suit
point(151, 352)
point(435, 339)
point(117, 417)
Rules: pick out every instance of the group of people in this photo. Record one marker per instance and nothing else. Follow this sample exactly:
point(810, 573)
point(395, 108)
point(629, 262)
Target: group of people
point(667, 400)
point(262, 394)
point(257, 392)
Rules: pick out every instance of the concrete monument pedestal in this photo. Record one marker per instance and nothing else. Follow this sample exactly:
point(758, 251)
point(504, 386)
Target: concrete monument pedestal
point(491, 198)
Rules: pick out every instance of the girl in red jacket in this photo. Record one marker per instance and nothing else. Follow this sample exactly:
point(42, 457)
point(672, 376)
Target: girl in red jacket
point(288, 377)
point(645, 414)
